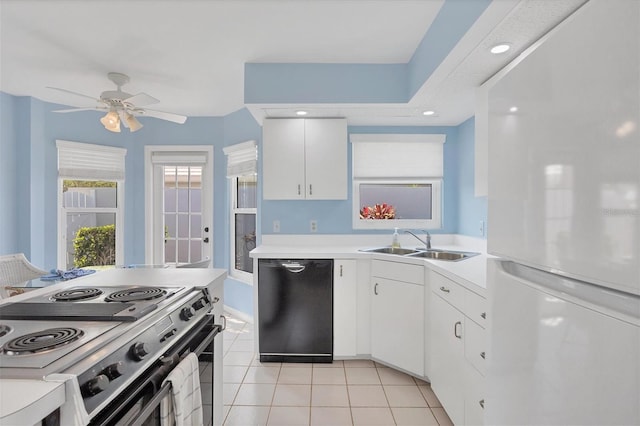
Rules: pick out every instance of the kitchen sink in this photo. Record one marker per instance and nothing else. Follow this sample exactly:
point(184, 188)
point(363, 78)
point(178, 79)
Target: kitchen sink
point(451, 256)
point(391, 250)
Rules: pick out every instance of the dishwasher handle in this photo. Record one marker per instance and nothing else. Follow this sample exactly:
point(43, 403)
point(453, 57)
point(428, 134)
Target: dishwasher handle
point(294, 267)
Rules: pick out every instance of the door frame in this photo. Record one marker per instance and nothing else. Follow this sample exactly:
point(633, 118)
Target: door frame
point(149, 199)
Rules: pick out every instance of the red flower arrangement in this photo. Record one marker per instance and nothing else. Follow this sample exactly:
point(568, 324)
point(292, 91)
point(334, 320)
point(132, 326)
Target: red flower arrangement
point(379, 211)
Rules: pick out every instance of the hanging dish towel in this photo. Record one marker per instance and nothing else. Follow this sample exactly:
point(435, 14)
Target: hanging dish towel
point(183, 405)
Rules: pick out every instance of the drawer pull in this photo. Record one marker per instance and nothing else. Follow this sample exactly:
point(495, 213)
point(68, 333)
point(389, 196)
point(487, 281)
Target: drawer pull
point(481, 402)
point(310, 189)
point(483, 315)
point(444, 289)
point(340, 270)
point(482, 355)
point(375, 289)
point(298, 189)
point(455, 329)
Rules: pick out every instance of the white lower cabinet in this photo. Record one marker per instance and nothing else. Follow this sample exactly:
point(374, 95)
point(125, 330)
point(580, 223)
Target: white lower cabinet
point(447, 357)
point(457, 350)
point(397, 315)
point(344, 308)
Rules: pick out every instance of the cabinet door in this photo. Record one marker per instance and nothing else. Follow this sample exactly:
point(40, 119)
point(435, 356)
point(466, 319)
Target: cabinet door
point(344, 308)
point(283, 159)
point(447, 357)
point(397, 324)
point(474, 398)
point(326, 159)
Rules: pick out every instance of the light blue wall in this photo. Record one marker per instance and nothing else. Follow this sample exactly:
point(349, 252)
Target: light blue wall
point(28, 181)
point(239, 126)
point(471, 209)
point(9, 174)
point(334, 217)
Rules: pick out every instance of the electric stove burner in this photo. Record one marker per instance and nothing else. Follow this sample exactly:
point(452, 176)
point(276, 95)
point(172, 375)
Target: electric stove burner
point(4, 330)
point(75, 294)
point(136, 294)
point(42, 341)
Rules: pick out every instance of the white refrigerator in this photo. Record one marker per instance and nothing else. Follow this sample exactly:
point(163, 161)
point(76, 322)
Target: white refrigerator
point(564, 222)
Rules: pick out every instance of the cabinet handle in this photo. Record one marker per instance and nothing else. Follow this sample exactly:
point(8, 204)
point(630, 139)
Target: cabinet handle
point(298, 189)
point(446, 290)
point(483, 315)
point(340, 270)
point(481, 402)
point(224, 319)
point(375, 289)
point(482, 355)
point(455, 329)
point(310, 189)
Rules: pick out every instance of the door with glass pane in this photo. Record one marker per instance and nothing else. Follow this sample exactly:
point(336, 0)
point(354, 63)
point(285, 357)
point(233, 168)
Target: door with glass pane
point(184, 235)
point(182, 208)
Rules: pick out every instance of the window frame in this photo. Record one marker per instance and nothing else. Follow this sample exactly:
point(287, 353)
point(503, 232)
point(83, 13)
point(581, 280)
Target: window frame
point(436, 206)
point(114, 174)
point(238, 274)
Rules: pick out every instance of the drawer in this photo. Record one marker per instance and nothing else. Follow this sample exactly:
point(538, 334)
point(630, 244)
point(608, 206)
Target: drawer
point(475, 345)
point(447, 289)
point(475, 307)
point(398, 271)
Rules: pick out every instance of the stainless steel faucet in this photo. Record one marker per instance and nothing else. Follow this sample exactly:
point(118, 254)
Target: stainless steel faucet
point(426, 243)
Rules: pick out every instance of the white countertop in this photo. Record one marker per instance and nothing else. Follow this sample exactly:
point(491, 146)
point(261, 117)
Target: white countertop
point(470, 273)
point(26, 402)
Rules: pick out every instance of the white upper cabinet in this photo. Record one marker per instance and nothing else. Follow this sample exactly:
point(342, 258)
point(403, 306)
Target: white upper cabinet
point(305, 159)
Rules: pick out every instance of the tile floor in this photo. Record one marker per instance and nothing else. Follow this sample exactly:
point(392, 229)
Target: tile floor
point(343, 393)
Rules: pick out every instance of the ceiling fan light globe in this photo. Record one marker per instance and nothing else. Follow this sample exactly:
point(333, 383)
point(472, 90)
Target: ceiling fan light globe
point(111, 121)
point(133, 123)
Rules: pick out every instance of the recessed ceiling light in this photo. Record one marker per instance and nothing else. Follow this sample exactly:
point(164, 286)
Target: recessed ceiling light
point(513, 109)
point(428, 112)
point(500, 48)
point(301, 112)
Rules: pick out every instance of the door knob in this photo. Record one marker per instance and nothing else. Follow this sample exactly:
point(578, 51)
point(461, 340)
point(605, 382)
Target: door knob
point(206, 239)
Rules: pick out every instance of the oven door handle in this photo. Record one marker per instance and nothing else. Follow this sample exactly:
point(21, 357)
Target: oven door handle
point(209, 339)
point(151, 405)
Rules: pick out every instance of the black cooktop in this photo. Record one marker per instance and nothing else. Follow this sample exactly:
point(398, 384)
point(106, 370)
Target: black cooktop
point(69, 311)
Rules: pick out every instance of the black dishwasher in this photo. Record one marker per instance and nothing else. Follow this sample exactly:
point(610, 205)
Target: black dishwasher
point(295, 310)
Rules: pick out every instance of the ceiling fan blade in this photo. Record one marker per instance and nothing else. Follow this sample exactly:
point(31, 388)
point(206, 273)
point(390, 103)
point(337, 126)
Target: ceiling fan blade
point(74, 93)
point(180, 119)
point(141, 99)
point(82, 109)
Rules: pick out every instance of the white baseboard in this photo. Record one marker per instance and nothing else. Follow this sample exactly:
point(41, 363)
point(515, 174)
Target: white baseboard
point(239, 314)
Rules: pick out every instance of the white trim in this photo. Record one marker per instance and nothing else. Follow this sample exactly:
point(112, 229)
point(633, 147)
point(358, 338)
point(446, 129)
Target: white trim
point(436, 202)
point(181, 152)
point(238, 314)
point(397, 138)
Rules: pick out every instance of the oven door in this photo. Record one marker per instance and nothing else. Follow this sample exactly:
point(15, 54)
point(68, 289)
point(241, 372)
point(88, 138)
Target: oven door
point(139, 404)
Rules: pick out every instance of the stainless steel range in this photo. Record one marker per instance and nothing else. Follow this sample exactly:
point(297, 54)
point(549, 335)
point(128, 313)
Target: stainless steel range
point(119, 342)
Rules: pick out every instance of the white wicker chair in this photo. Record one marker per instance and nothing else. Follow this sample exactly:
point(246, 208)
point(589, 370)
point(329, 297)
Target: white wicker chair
point(15, 268)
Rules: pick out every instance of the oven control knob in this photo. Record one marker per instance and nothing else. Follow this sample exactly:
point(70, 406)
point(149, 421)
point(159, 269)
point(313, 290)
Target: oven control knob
point(139, 351)
point(95, 385)
point(187, 313)
point(114, 371)
point(199, 304)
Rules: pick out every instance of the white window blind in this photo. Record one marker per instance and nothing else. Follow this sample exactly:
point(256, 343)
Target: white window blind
point(179, 158)
point(242, 159)
point(88, 161)
point(397, 156)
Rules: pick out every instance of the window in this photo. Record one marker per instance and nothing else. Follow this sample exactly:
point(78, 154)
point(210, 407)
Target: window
point(397, 181)
point(241, 171)
point(90, 199)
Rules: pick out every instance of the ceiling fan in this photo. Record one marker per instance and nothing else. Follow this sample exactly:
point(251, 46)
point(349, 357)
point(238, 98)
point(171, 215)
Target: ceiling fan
point(122, 107)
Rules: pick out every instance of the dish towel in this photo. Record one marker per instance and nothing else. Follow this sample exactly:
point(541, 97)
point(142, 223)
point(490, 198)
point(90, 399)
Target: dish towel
point(72, 411)
point(183, 405)
point(58, 274)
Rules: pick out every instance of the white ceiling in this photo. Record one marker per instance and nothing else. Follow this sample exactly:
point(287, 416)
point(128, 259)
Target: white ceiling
point(190, 54)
